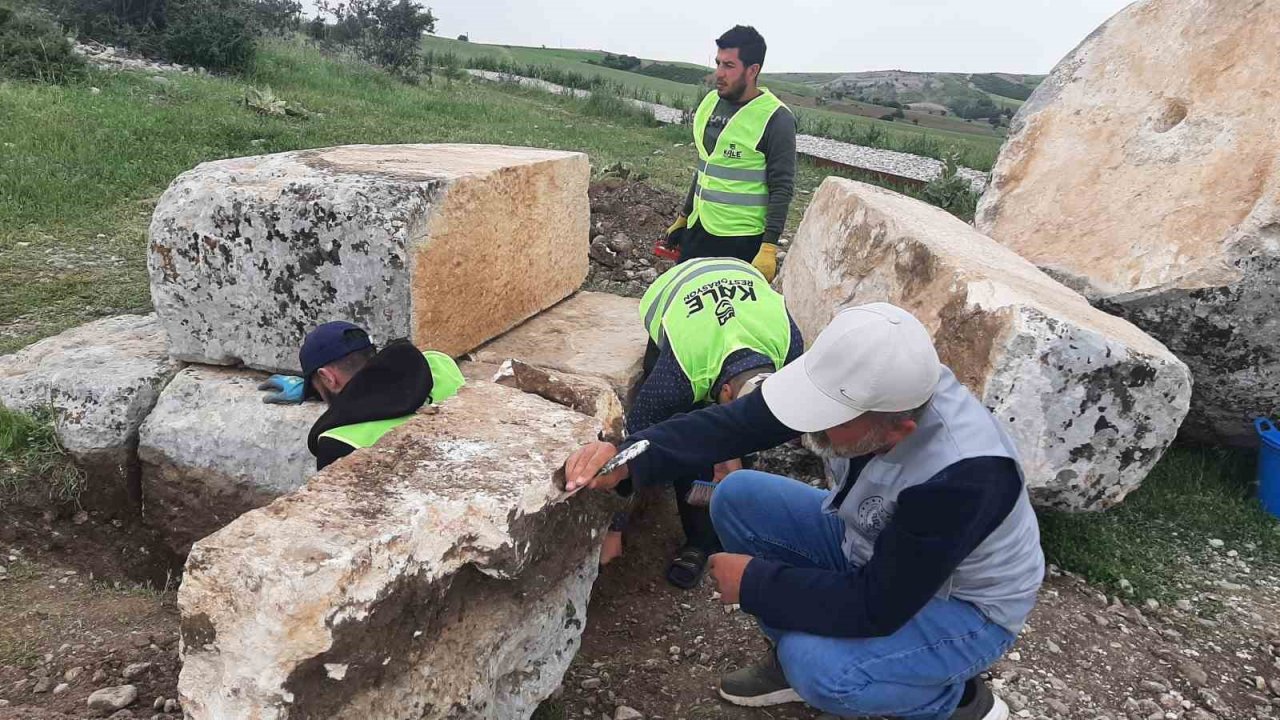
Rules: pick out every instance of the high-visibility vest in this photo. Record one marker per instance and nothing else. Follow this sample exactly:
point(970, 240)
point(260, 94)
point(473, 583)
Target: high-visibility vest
point(732, 197)
point(446, 380)
point(707, 309)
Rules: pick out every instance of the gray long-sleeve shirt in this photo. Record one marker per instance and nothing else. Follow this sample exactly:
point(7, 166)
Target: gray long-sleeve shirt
point(779, 147)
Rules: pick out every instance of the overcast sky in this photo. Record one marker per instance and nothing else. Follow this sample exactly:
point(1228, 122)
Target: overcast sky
point(1024, 36)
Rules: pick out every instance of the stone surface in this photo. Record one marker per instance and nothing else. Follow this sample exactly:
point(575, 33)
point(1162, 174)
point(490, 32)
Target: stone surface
point(1091, 401)
point(590, 334)
point(1145, 172)
point(212, 450)
point(440, 571)
point(109, 700)
point(587, 395)
point(101, 380)
point(448, 245)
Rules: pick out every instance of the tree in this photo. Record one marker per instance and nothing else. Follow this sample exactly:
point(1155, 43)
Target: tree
point(387, 33)
point(463, 37)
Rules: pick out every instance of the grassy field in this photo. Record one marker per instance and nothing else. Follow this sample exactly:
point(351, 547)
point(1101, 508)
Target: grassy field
point(80, 172)
point(935, 136)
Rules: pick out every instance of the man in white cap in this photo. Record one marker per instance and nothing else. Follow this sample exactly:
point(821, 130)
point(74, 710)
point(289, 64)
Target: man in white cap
point(889, 595)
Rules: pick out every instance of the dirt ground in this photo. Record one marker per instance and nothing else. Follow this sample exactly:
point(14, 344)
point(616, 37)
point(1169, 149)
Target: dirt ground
point(86, 603)
point(83, 607)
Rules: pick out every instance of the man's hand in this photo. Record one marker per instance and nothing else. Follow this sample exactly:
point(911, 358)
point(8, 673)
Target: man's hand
point(288, 389)
point(726, 571)
point(766, 261)
point(723, 469)
point(580, 469)
point(680, 223)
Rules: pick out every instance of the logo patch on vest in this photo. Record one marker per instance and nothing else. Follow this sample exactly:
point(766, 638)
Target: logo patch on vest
point(718, 294)
point(733, 152)
point(874, 515)
point(724, 311)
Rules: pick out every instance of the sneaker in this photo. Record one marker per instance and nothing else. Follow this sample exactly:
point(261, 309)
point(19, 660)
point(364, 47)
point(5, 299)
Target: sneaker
point(982, 705)
point(763, 685)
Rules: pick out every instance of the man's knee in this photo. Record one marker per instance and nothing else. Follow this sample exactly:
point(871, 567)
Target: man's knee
point(731, 495)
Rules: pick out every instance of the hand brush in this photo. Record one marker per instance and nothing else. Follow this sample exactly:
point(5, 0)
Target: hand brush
point(700, 494)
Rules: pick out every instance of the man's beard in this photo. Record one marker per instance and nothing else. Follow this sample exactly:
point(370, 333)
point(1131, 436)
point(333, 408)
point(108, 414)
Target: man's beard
point(734, 92)
point(819, 444)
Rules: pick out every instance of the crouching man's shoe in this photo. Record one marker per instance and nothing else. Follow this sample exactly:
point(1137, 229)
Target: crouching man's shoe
point(980, 703)
point(761, 685)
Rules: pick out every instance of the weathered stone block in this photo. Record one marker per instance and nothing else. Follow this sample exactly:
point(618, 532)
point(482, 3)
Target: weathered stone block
point(439, 574)
point(587, 395)
point(448, 245)
point(212, 450)
point(1091, 401)
point(590, 334)
point(1145, 172)
point(101, 380)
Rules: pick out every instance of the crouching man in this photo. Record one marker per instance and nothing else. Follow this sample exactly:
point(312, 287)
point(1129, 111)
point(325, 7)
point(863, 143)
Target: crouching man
point(369, 393)
point(889, 595)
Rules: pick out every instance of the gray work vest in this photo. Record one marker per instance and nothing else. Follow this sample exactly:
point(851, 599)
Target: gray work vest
point(1002, 575)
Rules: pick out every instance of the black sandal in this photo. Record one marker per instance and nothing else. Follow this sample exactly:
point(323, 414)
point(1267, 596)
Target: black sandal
point(687, 567)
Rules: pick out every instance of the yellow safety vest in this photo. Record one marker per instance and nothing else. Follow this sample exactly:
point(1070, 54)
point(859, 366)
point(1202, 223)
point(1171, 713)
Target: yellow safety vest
point(707, 309)
point(732, 198)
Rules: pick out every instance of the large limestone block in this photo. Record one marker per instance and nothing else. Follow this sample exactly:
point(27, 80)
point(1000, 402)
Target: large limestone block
point(1090, 400)
point(448, 245)
point(100, 380)
point(439, 574)
point(212, 450)
point(1145, 172)
point(590, 334)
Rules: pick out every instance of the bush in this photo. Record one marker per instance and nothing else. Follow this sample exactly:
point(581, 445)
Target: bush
point(951, 192)
point(215, 34)
point(387, 33)
point(33, 47)
point(279, 17)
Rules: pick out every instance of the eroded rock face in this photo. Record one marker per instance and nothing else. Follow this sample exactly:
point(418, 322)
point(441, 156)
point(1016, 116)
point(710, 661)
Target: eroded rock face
point(448, 245)
point(101, 380)
point(1145, 171)
point(587, 395)
point(212, 450)
point(590, 334)
point(439, 574)
point(1091, 401)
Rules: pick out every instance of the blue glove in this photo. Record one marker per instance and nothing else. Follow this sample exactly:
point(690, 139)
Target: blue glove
point(288, 389)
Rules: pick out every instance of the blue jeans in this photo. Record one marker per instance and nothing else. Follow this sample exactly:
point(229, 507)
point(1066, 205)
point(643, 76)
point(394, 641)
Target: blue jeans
point(918, 672)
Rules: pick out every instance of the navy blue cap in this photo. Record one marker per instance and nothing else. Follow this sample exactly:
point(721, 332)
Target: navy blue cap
point(329, 342)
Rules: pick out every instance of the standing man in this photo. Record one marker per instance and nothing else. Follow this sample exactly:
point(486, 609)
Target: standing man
point(369, 392)
point(890, 595)
point(716, 330)
point(746, 139)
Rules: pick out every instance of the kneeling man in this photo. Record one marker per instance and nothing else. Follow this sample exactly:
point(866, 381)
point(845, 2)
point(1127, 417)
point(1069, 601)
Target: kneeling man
point(889, 595)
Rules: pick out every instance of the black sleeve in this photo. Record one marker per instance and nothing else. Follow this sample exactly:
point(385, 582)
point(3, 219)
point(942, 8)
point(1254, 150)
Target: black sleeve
point(687, 444)
point(797, 342)
point(329, 451)
point(666, 391)
point(779, 147)
point(936, 526)
point(687, 208)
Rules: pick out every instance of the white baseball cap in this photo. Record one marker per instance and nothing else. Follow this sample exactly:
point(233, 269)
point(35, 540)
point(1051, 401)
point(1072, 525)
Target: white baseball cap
point(869, 358)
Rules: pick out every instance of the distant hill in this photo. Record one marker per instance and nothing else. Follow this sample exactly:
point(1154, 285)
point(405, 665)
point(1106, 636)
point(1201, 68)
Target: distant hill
point(966, 95)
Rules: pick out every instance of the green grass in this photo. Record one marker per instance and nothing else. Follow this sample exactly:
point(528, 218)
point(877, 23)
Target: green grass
point(1160, 534)
point(31, 459)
